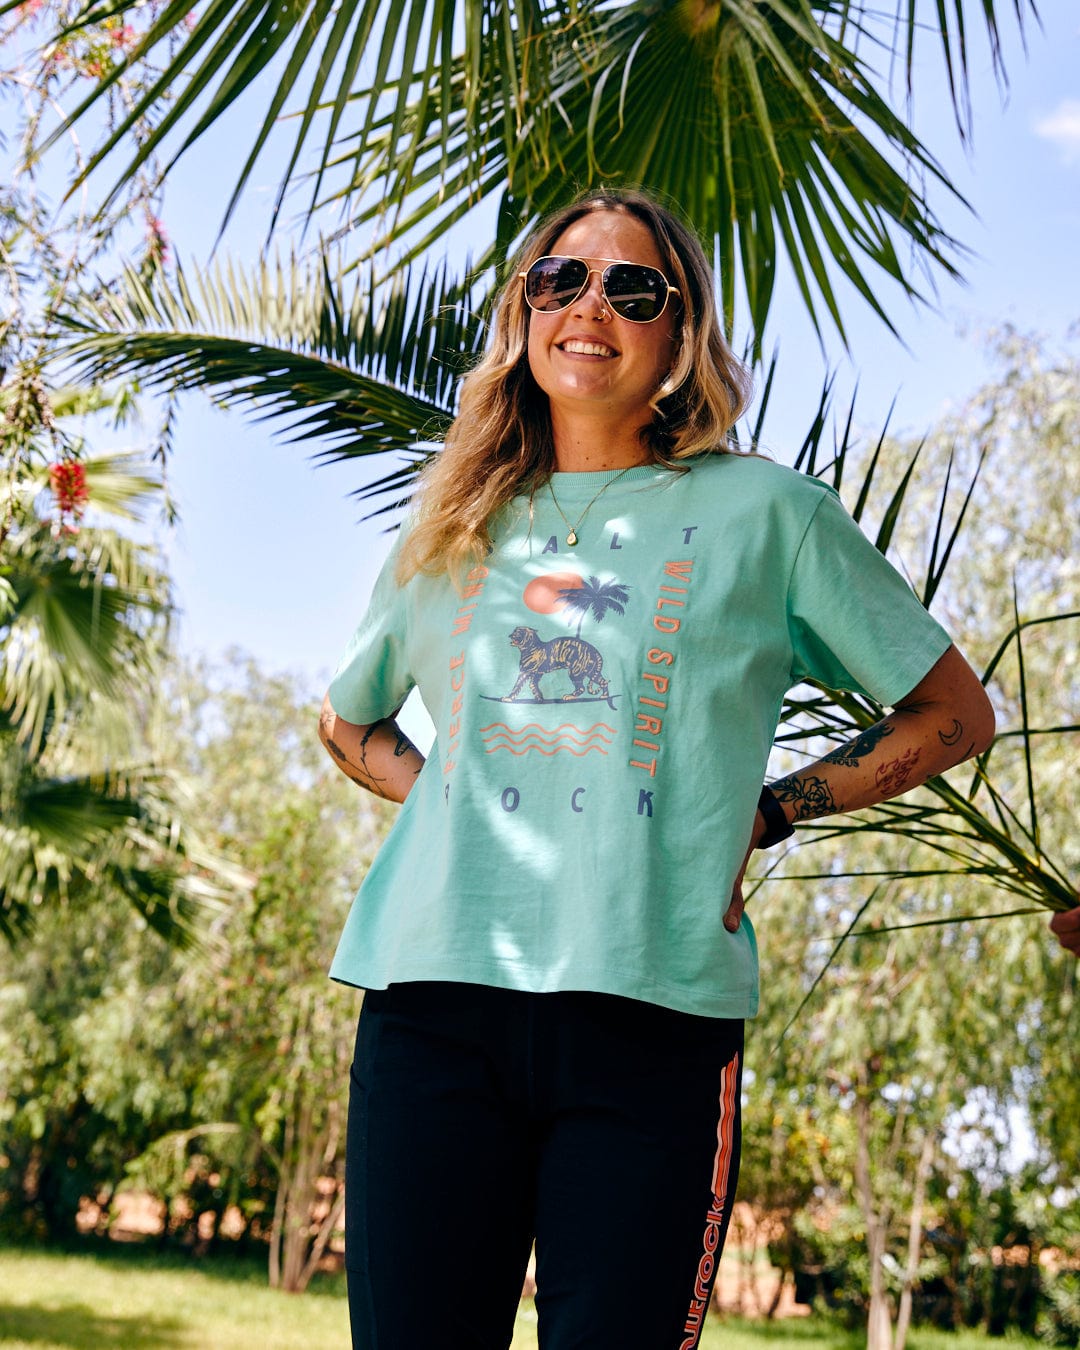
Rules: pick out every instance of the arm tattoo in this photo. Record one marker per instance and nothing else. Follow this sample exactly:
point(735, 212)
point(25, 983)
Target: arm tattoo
point(859, 746)
point(362, 773)
point(952, 736)
point(892, 777)
point(812, 796)
point(370, 779)
point(403, 745)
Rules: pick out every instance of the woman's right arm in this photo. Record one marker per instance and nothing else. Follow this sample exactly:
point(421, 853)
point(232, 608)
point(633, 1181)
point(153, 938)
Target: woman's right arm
point(380, 757)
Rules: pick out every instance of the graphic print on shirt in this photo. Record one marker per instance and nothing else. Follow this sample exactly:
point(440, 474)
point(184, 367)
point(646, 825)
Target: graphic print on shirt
point(674, 593)
point(546, 663)
point(460, 624)
point(580, 660)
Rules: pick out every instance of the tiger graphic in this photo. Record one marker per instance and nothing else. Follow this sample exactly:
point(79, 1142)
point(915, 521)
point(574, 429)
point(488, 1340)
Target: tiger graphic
point(581, 661)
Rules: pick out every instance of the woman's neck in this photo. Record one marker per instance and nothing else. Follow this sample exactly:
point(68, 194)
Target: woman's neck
point(591, 444)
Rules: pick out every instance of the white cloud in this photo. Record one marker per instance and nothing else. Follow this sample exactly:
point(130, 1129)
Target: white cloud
point(1062, 128)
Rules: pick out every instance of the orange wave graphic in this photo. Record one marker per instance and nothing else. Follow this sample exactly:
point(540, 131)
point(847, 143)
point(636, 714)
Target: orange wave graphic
point(565, 739)
point(553, 750)
point(568, 728)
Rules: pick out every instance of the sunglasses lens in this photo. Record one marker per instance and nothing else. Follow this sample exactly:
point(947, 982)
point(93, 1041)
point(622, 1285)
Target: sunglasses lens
point(553, 283)
point(636, 292)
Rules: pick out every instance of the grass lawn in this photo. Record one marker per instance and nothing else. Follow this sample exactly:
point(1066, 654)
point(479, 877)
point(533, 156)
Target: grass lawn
point(134, 1299)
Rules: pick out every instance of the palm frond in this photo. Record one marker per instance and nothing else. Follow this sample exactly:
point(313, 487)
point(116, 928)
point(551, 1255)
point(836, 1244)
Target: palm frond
point(949, 23)
point(765, 129)
point(312, 50)
point(359, 369)
point(120, 831)
point(76, 621)
point(510, 61)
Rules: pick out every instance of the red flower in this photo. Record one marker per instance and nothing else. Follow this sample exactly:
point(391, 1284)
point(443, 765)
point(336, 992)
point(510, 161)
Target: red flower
point(157, 239)
point(67, 477)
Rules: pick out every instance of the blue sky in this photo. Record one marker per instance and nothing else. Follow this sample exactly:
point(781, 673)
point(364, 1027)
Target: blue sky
point(270, 554)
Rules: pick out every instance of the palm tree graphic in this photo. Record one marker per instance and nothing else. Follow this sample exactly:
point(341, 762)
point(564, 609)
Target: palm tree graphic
point(595, 598)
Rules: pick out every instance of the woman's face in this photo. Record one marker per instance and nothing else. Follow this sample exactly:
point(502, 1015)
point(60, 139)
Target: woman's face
point(587, 359)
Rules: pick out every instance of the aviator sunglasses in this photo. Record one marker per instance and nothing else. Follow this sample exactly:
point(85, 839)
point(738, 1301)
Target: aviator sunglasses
point(631, 290)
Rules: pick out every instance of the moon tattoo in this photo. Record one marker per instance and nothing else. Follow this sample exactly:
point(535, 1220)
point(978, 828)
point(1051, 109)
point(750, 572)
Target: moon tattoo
point(952, 736)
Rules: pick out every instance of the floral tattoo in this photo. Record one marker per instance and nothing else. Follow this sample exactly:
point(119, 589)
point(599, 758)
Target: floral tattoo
point(812, 796)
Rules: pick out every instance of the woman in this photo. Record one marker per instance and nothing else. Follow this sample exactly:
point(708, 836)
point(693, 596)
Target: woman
point(603, 609)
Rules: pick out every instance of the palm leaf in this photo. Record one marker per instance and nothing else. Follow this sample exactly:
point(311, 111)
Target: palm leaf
point(949, 24)
point(62, 837)
point(410, 50)
point(72, 631)
point(762, 126)
point(760, 117)
point(231, 50)
point(360, 370)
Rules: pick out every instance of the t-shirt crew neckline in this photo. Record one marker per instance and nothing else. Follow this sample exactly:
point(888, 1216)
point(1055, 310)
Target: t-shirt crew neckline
point(567, 483)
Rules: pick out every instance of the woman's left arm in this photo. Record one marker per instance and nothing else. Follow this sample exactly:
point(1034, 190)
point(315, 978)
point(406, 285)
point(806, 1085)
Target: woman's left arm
point(1066, 928)
point(945, 719)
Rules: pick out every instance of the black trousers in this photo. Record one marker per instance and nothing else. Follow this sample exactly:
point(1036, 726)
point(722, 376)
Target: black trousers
point(480, 1119)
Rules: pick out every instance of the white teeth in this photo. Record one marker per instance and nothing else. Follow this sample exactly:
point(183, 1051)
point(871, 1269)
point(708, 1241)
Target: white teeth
point(587, 348)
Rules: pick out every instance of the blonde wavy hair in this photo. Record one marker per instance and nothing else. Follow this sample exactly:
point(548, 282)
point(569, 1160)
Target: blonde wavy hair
point(500, 444)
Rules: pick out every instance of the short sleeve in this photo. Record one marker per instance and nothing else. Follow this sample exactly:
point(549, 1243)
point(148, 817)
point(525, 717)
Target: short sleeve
point(855, 623)
point(373, 679)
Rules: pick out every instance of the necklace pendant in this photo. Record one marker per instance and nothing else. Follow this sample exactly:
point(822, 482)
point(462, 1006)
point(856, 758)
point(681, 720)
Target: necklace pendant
point(571, 538)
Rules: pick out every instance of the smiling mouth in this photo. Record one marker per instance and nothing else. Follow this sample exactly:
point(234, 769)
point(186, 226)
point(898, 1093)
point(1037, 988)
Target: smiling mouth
point(579, 347)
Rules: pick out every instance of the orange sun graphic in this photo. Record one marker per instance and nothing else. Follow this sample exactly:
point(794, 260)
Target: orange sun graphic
point(542, 593)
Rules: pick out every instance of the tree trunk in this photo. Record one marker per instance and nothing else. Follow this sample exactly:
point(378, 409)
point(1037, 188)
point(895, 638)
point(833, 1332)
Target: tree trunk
point(326, 1231)
point(914, 1249)
point(778, 1294)
point(297, 1242)
point(280, 1206)
point(879, 1322)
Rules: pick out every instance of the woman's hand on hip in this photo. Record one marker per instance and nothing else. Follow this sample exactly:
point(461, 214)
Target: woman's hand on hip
point(734, 912)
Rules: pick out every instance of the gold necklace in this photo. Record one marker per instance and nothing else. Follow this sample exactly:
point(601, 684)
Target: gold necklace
point(572, 530)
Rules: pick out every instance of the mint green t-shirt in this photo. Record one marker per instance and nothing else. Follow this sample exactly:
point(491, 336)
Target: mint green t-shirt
point(604, 714)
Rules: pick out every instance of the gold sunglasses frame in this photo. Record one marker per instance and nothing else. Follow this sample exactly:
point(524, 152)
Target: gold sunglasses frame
point(570, 257)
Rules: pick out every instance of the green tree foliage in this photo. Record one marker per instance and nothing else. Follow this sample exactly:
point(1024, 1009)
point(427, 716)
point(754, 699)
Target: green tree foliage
point(96, 1062)
point(82, 609)
point(888, 1121)
point(84, 605)
point(282, 1031)
point(209, 1081)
